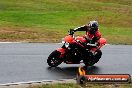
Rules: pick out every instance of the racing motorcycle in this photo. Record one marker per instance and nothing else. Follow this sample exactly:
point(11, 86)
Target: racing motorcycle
point(76, 50)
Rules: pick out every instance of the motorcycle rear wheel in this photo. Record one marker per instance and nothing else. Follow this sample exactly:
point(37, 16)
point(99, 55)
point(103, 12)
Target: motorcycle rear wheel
point(54, 59)
point(91, 61)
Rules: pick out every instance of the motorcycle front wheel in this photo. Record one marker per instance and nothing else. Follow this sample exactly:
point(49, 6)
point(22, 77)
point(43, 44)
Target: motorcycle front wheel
point(54, 59)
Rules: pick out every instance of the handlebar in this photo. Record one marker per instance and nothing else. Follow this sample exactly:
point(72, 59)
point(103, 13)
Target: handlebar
point(71, 32)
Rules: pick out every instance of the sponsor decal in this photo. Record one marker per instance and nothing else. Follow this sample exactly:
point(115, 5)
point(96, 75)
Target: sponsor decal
point(102, 78)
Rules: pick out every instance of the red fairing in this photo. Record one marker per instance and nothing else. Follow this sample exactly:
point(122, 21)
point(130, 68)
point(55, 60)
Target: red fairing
point(69, 39)
point(81, 39)
point(61, 50)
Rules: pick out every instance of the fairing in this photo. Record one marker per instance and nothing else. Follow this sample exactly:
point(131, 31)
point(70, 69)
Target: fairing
point(81, 39)
point(69, 39)
point(62, 51)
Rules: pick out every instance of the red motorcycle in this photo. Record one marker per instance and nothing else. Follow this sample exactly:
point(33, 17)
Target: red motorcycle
point(75, 50)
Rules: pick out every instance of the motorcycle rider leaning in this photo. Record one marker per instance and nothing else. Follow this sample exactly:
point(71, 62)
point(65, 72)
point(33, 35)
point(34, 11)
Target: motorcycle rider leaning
point(92, 32)
point(92, 36)
point(92, 40)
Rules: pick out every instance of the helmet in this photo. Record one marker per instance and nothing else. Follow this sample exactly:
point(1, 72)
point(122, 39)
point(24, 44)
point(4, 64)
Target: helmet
point(93, 26)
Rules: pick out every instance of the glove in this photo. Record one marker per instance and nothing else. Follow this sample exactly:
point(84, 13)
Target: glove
point(71, 32)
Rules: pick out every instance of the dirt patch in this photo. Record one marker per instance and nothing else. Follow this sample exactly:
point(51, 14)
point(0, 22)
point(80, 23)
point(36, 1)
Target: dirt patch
point(10, 34)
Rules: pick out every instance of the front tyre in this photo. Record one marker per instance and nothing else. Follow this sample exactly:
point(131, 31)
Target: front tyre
point(54, 59)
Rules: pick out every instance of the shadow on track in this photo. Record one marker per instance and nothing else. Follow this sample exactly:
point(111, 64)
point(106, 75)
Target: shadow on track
point(71, 72)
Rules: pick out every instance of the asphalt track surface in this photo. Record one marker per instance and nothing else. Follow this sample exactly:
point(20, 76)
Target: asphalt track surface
point(23, 62)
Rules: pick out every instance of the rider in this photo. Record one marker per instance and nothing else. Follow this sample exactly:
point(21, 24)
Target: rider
point(92, 39)
point(92, 32)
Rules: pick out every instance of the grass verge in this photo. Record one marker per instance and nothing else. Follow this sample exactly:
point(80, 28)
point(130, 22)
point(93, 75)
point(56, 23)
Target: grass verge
point(72, 85)
point(49, 20)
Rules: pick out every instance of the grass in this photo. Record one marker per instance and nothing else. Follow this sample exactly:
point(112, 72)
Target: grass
point(64, 85)
point(49, 20)
point(72, 85)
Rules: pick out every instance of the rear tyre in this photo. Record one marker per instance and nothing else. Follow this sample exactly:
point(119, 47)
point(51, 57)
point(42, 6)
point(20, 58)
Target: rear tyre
point(54, 59)
point(98, 55)
point(93, 58)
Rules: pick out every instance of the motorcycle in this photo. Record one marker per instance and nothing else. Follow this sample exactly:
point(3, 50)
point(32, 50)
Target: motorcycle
point(76, 49)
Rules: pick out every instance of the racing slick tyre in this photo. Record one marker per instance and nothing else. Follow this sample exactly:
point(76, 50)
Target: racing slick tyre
point(54, 59)
point(93, 58)
point(97, 55)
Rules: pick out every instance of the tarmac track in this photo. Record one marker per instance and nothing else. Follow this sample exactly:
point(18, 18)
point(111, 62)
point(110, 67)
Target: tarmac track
point(23, 62)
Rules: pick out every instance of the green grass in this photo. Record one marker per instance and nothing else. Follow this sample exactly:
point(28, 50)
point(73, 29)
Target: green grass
point(73, 85)
point(53, 18)
point(64, 85)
